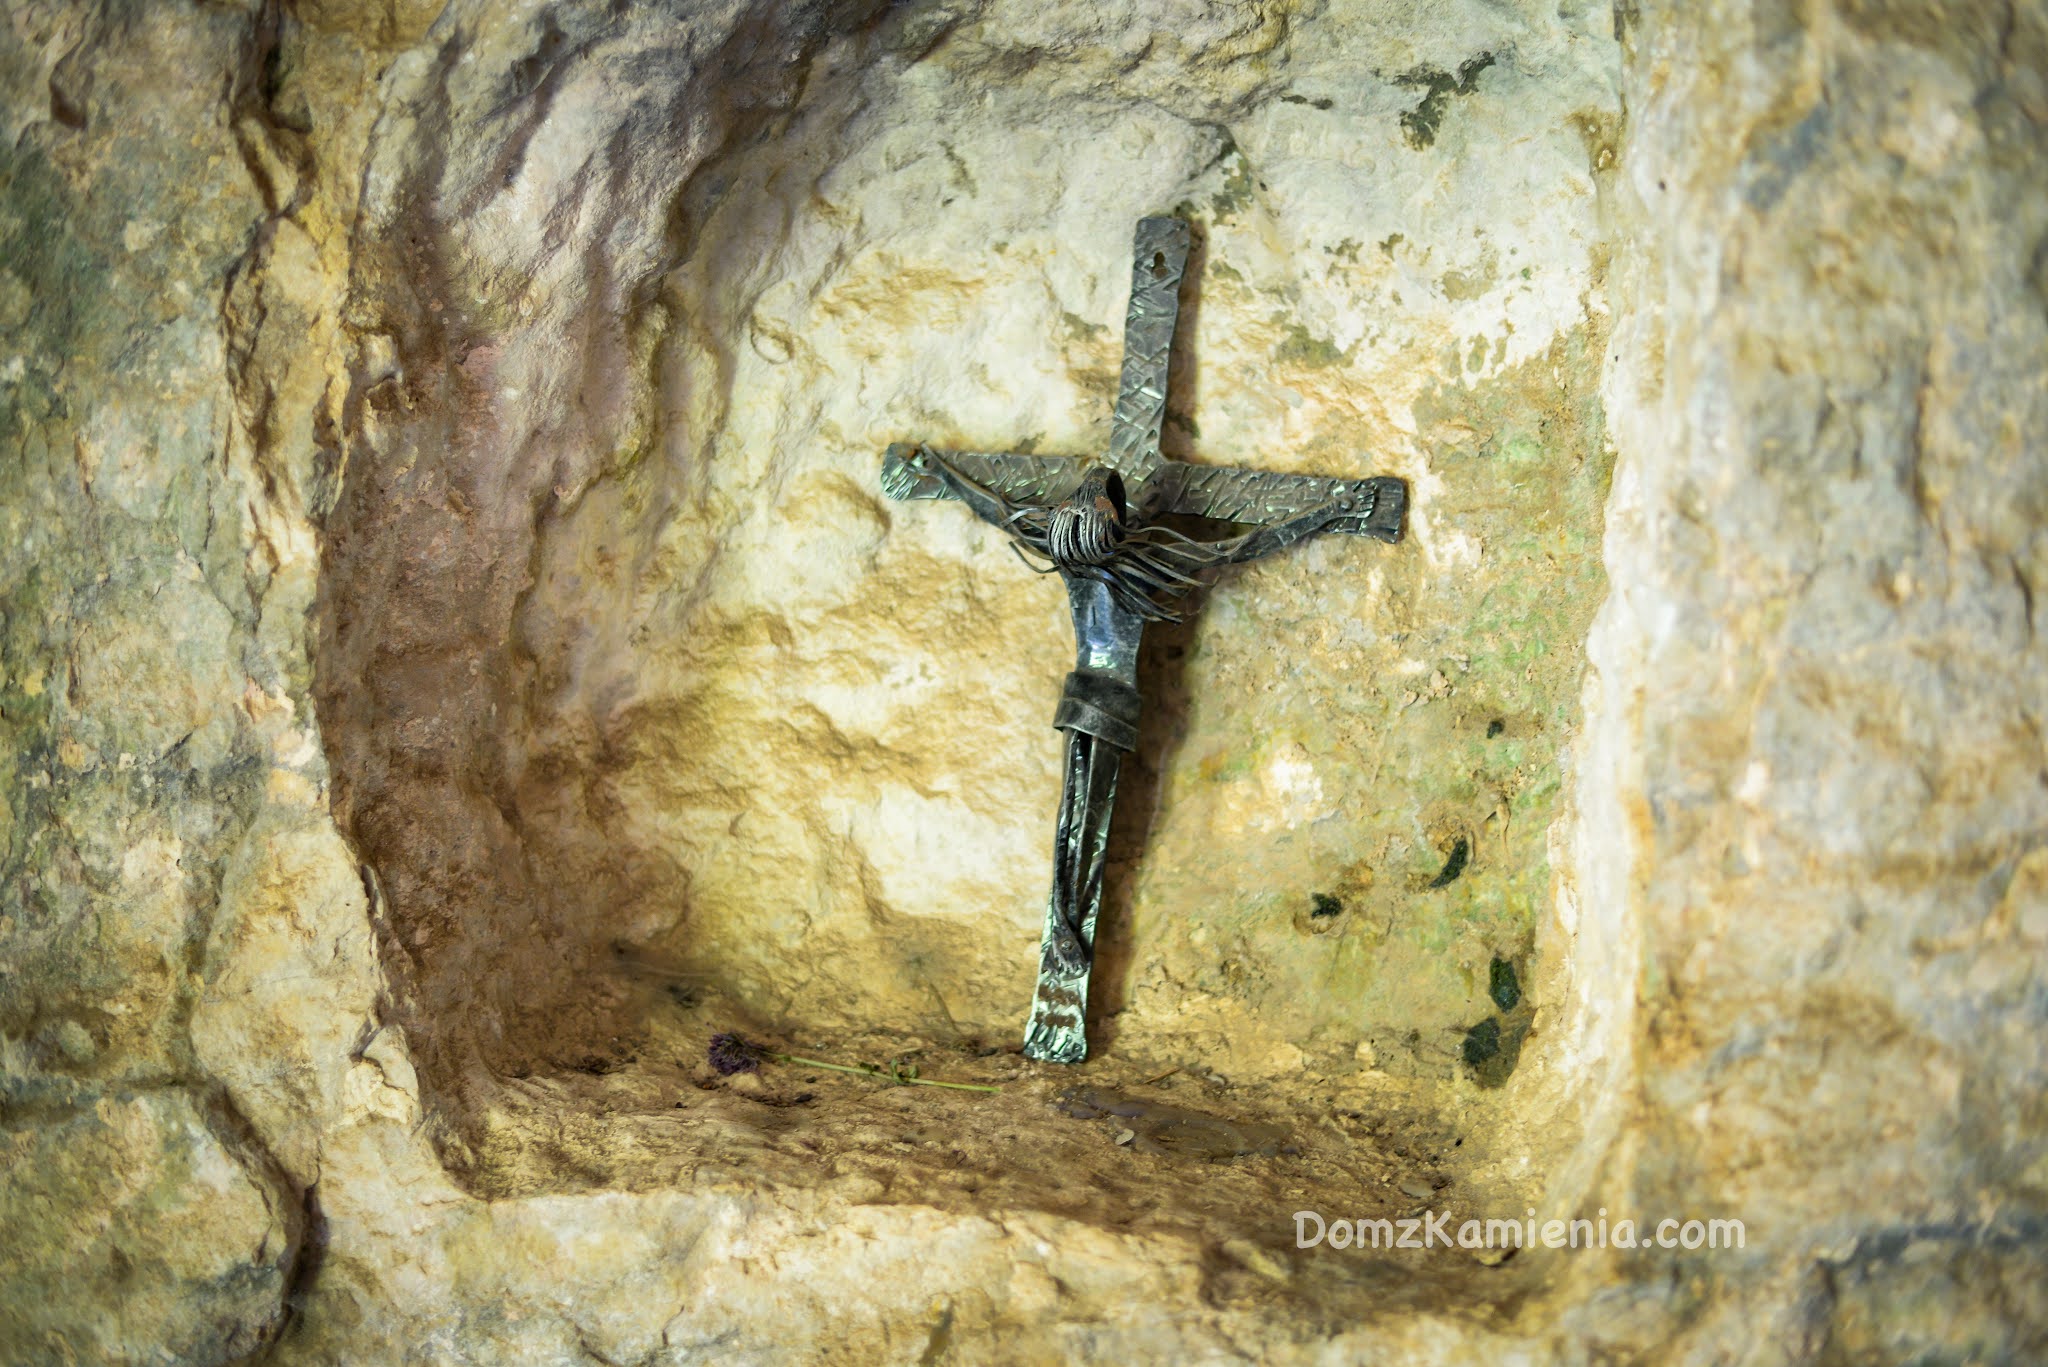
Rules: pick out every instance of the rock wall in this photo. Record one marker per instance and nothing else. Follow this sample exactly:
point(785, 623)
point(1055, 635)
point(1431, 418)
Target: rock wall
point(159, 736)
point(452, 656)
point(1821, 652)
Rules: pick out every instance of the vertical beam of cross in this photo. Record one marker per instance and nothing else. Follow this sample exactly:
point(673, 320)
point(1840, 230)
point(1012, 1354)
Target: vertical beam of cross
point(1159, 256)
point(1099, 707)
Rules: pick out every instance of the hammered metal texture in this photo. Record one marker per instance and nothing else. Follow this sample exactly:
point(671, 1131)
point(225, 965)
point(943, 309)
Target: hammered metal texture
point(1043, 480)
point(1159, 254)
point(1263, 497)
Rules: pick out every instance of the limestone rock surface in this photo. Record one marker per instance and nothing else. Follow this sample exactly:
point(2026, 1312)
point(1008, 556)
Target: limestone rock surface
point(455, 657)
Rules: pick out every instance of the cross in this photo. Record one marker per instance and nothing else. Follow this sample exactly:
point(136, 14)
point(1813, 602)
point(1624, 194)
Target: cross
point(1098, 526)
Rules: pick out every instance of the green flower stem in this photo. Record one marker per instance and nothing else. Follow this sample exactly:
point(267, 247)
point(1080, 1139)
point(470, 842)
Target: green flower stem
point(891, 1074)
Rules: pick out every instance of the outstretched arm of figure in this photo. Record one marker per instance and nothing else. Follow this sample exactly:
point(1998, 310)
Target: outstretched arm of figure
point(993, 484)
point(1279, 536)
point(1376, 505)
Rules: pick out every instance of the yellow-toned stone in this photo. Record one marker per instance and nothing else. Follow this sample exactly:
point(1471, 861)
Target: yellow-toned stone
point(454, 658)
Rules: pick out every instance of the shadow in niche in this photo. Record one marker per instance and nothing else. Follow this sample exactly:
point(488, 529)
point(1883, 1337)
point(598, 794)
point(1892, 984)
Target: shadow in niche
point(1183, 377)
point(1162, 670)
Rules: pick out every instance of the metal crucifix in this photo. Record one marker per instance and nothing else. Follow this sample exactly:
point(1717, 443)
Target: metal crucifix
point(1097, 526)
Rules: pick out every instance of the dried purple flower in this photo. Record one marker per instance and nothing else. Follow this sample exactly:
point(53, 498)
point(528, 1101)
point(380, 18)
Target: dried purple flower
point(731, 1054)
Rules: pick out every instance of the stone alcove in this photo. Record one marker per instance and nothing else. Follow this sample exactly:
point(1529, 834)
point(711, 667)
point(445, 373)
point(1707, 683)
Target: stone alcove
point(650, 718)
point(434, 652)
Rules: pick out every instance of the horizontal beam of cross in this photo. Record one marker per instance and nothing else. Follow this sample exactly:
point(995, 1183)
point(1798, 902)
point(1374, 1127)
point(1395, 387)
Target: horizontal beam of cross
point(1224, 493)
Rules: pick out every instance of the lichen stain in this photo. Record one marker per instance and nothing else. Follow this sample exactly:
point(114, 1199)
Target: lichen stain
point(1519, 464)
point(1300, 347)
point(1419, 125)
point(1463, 286)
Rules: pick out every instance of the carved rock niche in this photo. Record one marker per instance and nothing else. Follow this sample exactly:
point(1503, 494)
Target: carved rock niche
point(652, 719)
